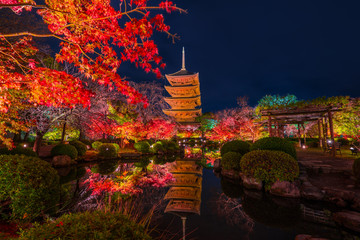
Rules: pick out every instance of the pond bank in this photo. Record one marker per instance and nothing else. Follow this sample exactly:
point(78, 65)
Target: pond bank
point(322, 179)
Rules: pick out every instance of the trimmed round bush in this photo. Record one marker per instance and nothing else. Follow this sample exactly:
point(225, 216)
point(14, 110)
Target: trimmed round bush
point(30, 183)
point(117, 147)
point(80, 147)
point(64, 149)
point(18, 150)
point(231, 161)
point(95, 145)
point(86, 142)
point(356, 168)
point(99, 225)
point(142, 146)
point(172, 146)
point(269, 166)
point(157, 147)
point(107, 150)
point(274, 143)
point(238, 146)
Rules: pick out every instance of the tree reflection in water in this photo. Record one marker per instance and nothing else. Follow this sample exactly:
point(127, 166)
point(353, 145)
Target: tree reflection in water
point(233, 212)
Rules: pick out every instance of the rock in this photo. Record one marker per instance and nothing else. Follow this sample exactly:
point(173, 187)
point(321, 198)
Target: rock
point(234, 175)
point(348, 219)
point(285, 189)
point(217, 165)
point(63, 171)
point(250, 182)
point(303, 237)
point(308, 237)
point(309, 191)
point(45, 151)
point(61, 161)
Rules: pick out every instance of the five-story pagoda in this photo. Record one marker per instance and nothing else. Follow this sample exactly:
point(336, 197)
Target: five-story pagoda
point(185, 95)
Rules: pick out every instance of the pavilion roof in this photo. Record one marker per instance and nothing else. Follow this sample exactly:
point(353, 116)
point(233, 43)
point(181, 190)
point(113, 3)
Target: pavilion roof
point(298, 115)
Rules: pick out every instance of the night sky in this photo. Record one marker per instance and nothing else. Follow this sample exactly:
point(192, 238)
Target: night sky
point(309, 48)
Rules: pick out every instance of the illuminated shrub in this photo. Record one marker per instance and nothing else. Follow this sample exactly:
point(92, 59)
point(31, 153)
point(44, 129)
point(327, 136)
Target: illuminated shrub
point(95, 145)
point(238, 146)
point(157, 147)
point(169, 145)
point(107, 150)
point(142, 146)
point(86, 142)
point(356, 169)
point(117, 147)
point(172, 146)
point(231, 161)
point(274, 143)
point(80, 147)
point(18, 150)
point(269, 166)
point(64, 149)
point(30, 183)
point(97, 225)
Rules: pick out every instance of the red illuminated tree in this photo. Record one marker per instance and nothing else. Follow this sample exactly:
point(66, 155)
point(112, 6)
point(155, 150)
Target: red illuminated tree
point(236, 123)
point(94, 36)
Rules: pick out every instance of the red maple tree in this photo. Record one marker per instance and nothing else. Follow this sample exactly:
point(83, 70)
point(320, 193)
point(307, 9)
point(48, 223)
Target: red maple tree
point(94, 36)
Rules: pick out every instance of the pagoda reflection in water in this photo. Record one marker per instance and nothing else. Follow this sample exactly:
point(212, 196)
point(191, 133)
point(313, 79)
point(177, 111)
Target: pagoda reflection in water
point(185, 191)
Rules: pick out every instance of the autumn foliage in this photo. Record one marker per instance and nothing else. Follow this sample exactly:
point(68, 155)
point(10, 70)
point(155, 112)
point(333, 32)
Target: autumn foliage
point(95, 37)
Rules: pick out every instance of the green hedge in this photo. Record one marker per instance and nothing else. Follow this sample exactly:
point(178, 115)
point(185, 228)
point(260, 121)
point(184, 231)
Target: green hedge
point(238, 146)
point(274, 143)
point(86, 142)
point(269, 166)
point(64, 149)
point(80, 147)
point(18, 150)
point(107, 150)
point(97, 225)
point(157, 147)
point(117, 147)
point(142, 146)
point(95, 145)
point(231, 161)
point(30, 183)
point(356, 169)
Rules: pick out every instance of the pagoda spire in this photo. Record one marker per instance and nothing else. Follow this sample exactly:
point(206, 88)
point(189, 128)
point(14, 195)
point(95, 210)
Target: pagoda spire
point(183, 59)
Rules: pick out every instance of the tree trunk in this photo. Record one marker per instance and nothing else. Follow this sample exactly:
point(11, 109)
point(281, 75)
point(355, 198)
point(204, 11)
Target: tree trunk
point(63, 131)
point(37, 143)
point(26, 136)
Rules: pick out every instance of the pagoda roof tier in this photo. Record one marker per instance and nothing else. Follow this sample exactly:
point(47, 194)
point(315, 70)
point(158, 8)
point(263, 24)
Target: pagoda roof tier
point(183, 103)
point(183, 115)
point(181, 80)
point(183, 91)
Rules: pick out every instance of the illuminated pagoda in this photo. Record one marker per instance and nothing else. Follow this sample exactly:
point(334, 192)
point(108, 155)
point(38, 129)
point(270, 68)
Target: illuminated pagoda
point(185, 99)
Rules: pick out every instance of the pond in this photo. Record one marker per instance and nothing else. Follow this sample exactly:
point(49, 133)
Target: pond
point(203, 205)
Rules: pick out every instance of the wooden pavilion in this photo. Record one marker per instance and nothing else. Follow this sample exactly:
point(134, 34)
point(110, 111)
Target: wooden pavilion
point(278, 118)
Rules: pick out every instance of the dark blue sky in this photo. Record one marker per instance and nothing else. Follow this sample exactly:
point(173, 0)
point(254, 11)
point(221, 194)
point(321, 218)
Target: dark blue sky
point(308, 48)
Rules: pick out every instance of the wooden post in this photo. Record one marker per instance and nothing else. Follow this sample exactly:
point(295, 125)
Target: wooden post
point(299, 135)
point(304, 135)
point(269, 126)
point(332, 133)
point(320, 135)
point(277, 129)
